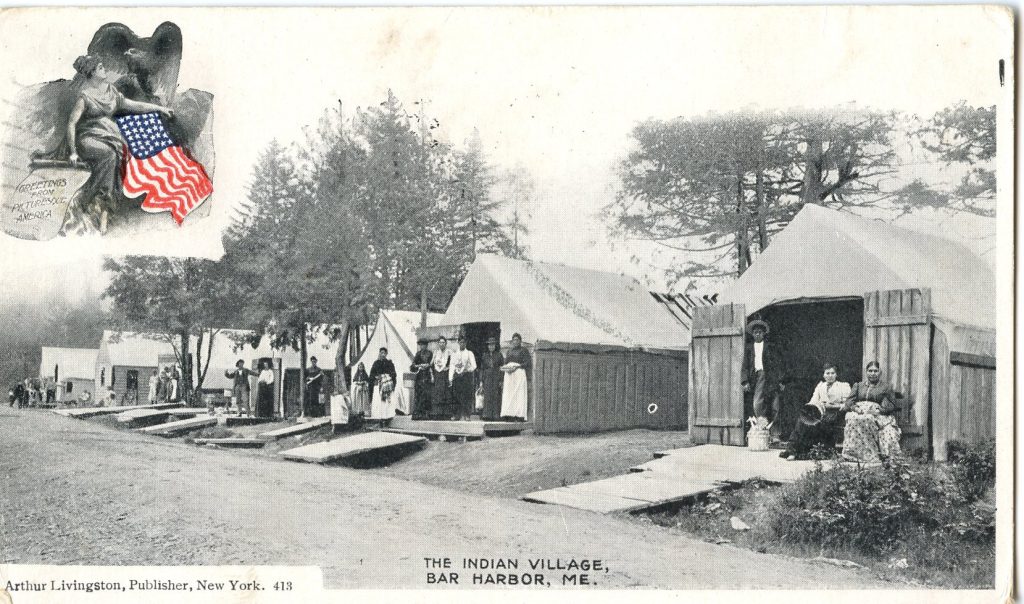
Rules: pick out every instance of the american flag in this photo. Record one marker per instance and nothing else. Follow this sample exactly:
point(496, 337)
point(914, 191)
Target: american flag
point(159, 169)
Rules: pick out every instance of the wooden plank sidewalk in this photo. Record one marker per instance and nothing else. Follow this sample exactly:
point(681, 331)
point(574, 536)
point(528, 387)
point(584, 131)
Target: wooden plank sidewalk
point(350, 446)
point(87, 412)
point(180, 426)
point(673, 476)
point(232, 442)
point(472, 428)
point(141, 417)
point(296, 429)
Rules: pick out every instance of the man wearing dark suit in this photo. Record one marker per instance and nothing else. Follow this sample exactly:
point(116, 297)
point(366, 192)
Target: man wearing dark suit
point(764, 371)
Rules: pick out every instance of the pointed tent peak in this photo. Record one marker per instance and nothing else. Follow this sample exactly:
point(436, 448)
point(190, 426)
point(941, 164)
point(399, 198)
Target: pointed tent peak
point(825, 253)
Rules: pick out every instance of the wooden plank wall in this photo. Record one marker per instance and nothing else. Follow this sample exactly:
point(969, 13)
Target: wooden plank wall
point(716, 359)
point(591, 392)
point(963, 399)
point(897, 334)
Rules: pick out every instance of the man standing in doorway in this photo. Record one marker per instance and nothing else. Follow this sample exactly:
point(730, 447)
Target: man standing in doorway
point(764, 372)
point(240, 391)
point(314, 379)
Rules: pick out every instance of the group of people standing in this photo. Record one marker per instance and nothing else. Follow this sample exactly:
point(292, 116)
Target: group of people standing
point(165, 386)
point(29, 393)
point(862, 414)
point(448, 383)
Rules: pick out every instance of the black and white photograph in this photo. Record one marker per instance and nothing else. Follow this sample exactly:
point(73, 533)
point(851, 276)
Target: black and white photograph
point(521, 303)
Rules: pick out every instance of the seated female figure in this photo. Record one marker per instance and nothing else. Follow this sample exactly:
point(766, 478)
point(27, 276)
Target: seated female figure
point(819, 423)
point(871, 430)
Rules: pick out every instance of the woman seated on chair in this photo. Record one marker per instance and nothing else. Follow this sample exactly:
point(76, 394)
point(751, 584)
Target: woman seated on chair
point(871, 431)
point(819, 421)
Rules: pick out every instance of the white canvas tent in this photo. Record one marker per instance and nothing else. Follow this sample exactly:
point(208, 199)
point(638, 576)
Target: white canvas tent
point(396, 331)
point(558, 303)
point(827, 254)
point(840, 288)
point(606, 354)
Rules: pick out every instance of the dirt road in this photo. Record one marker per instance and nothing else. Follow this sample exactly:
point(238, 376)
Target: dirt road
point(75, 492)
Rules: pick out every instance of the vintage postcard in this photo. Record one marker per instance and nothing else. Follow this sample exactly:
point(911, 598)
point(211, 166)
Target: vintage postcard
point(525, 303)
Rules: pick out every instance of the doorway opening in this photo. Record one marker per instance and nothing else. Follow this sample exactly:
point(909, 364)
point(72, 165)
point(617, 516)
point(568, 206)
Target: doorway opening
point(809, 334)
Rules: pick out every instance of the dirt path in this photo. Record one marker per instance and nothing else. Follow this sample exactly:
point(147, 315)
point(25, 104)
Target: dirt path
point(75, 492)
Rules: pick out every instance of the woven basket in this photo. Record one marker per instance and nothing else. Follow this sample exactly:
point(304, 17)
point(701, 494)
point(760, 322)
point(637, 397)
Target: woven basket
point(758, 439)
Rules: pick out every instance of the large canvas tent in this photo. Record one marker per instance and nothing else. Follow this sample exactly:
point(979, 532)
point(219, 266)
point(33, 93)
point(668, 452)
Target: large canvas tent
point(73, 369)
point(396, 331)
point(837, 287)
point(607, 355)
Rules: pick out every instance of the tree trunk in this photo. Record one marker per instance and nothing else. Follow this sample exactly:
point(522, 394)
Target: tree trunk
point(340, 367)
point(199, 363)
point(742, 233)
point(185, 387)
point(201, 370)
point(423, 306)
point(813, 187)
point(302, 371)
point(762, 212)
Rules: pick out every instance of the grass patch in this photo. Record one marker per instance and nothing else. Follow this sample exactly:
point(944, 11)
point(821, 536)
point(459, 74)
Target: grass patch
point(912, 521)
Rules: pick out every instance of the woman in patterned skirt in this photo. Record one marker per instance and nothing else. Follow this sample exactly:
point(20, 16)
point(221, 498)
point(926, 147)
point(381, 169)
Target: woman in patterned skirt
point(871, 430)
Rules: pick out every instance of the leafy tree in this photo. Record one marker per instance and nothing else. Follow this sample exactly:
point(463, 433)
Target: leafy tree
point(959, 136)
point(718, 187)
point(296, 252)
point(172, 300)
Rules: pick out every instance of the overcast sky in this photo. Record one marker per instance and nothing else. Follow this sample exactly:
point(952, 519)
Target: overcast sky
point(556, 90)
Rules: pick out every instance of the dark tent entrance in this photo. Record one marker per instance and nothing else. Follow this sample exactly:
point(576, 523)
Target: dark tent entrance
point(810, 334)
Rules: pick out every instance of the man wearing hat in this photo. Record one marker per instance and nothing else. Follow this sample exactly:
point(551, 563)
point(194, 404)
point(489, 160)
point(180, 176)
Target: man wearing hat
point(424, 380)
point(764, 371)
point(491, 380)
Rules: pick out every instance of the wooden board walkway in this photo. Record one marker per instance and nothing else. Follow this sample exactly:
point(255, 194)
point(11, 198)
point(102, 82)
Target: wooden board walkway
point(726, 464)
point(180, 426)
point(406, 425)
point(296, 429)
point(350, 446)
point(235, 420)
point(143, 417)
point(87, 412)
point(232, 442)
point(674, 476)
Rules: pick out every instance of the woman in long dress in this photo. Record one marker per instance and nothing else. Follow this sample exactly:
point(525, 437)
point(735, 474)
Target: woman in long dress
point(441, 397)
point(871, 431)
point(514, 394)
point(462, 373)
point(383, 378)
point(360, 391)
point(492, 378)
point(92, 135)
point(819, 422)
point(265, 391)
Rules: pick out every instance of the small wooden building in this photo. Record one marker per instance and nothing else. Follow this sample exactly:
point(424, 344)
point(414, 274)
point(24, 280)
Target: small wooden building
point(124, 363)
point(72, 369)
point(848, 290)
point(606, 354)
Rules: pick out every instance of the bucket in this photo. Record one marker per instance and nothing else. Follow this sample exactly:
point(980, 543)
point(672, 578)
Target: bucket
point(409, 380)
point(758, 439)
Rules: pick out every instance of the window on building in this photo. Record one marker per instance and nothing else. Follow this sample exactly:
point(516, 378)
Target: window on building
point(69, 387)
point(103, 376)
